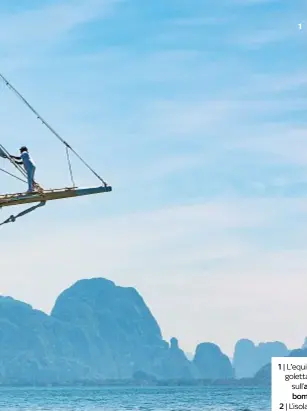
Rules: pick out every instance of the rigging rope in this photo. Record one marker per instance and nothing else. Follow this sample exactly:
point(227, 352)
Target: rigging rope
point(70, 169)
point(5, 154)
point(19, 168)
point(9, 85)
point(12, 175)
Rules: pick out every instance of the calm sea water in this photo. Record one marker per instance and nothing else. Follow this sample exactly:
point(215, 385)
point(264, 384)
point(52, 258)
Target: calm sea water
point(136, 399)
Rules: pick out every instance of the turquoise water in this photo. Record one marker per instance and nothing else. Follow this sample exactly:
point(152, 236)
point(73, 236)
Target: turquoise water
point(136, 399)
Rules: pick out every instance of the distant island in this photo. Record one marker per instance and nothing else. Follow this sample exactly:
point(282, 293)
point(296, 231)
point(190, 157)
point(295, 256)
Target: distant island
point(99, 333)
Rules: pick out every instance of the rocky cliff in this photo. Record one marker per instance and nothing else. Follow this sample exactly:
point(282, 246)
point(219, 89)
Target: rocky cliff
point(263, 376)
point(211, 363)
point(96, 330)
point(250, 358)
point(117, 334)
point(35, 347)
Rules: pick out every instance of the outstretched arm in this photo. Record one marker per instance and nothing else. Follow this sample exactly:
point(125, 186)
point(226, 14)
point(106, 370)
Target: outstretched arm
point(17, 160)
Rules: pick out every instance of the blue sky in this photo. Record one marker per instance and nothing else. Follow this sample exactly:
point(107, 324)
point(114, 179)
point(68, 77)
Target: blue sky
point(195, 112)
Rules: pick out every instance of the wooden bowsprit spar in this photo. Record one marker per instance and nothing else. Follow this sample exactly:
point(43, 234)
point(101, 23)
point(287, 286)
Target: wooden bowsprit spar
point(8, 200)
point(40, 195)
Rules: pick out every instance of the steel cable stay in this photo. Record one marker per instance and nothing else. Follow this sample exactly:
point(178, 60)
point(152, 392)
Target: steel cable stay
point(45, 123)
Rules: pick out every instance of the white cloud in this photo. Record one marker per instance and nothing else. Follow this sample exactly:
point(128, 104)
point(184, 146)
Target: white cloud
point(286, 144)
point(28, 39)
point(187, 22)
point(260, 38)
point(250, 2)
point(50, 22)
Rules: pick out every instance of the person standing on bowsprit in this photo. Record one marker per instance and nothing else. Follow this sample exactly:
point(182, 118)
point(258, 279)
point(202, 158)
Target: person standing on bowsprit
point(26, 160)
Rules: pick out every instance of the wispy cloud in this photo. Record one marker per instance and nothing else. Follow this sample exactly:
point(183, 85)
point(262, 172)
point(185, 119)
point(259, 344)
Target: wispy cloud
point(198, 21)
point(50, 22)
point(41, 30)
point(265, 37)
point(247, 3)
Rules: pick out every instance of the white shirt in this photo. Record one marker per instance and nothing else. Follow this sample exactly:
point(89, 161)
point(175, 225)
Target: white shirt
point(27, 160)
